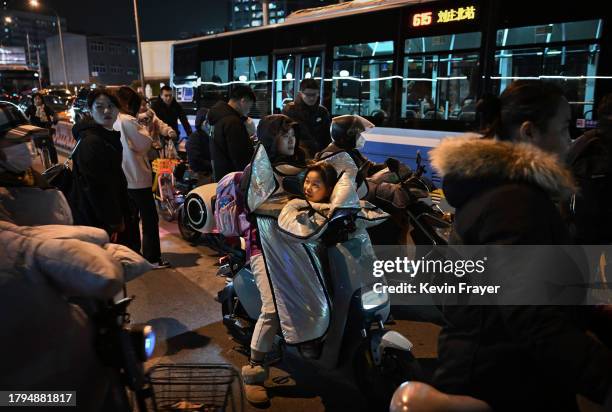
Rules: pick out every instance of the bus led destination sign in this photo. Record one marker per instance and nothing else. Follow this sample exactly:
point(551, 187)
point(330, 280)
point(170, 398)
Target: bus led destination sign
point(429, 18)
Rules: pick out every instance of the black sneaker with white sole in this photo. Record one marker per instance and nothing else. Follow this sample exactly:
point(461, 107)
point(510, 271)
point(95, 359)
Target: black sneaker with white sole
point(161, 264)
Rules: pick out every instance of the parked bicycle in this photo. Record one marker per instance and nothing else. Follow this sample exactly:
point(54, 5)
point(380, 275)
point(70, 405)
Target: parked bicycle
point(164, 188)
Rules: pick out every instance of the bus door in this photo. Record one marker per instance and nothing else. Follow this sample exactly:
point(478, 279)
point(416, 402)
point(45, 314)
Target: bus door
point(290, 68)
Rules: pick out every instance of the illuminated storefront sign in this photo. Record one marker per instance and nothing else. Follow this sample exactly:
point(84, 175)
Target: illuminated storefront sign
point(429, 18)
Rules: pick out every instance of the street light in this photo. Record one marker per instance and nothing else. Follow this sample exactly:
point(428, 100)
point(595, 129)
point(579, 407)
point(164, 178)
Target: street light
point(8, 20)
point(142, 85)
point(36, 4)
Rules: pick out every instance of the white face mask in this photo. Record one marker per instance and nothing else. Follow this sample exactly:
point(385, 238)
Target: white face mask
point(361, 141)
point(18, 158)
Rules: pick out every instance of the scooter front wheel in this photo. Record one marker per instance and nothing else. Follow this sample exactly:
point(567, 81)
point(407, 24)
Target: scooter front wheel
point(378, 381)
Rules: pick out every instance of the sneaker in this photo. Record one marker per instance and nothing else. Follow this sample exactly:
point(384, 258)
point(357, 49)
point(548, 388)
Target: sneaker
point(161, 264)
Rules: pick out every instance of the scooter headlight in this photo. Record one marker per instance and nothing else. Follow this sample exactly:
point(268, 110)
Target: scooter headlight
point(371, 300)
point(143, 339)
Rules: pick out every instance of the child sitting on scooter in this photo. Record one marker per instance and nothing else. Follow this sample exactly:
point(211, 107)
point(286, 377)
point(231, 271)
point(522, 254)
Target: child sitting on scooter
point(319, 182)
point(330, 213)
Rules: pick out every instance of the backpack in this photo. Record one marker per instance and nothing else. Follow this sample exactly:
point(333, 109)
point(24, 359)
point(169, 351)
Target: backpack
point(230, 213)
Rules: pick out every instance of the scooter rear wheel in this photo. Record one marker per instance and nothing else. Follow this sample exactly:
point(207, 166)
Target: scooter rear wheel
point(185, 230)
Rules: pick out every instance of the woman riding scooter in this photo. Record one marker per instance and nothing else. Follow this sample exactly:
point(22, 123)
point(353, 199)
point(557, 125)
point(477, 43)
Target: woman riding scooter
point(276, 160)
point(306, 278)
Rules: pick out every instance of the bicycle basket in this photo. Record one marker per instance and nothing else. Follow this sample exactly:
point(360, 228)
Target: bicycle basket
point(164, 165)
point(196, 387)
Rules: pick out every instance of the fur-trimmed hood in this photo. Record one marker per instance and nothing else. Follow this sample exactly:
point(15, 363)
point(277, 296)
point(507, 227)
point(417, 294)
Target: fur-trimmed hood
point(476, 162)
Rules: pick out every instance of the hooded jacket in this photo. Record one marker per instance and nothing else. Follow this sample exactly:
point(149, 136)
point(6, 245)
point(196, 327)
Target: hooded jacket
point(514, 357)
point(314, 122)
point(99, 194)
point(136, 144)
point(230, 148)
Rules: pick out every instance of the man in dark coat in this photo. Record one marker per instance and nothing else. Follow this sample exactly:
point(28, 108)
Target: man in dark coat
point(313, 119)
point(590, 159)
point(198, 149)
point(169, 111)
point(231, 148)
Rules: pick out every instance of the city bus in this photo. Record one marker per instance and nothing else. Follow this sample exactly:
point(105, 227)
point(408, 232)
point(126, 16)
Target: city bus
point(414, 68)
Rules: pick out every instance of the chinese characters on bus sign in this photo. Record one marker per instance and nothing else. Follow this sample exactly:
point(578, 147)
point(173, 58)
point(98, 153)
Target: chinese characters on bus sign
point(444, 16)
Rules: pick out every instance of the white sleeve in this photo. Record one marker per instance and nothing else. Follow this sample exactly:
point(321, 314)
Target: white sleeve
point(137, 136)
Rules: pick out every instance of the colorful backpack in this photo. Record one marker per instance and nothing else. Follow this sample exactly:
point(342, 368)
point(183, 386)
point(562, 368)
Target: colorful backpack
point(230, 214)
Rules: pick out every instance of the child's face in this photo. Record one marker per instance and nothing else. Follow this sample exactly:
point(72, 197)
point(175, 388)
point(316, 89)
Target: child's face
point(315, 189)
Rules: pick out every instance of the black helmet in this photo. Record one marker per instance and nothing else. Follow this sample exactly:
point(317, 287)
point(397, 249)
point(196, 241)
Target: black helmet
point(345, 130)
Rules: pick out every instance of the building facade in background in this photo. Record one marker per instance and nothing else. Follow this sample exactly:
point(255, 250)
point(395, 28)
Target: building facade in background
point(30, 32)
point(103, 60)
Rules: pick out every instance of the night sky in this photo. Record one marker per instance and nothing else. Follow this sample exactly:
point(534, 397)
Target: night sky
point(159, 19)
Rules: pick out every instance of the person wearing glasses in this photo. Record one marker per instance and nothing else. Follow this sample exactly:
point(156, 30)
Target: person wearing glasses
point(313, 119)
